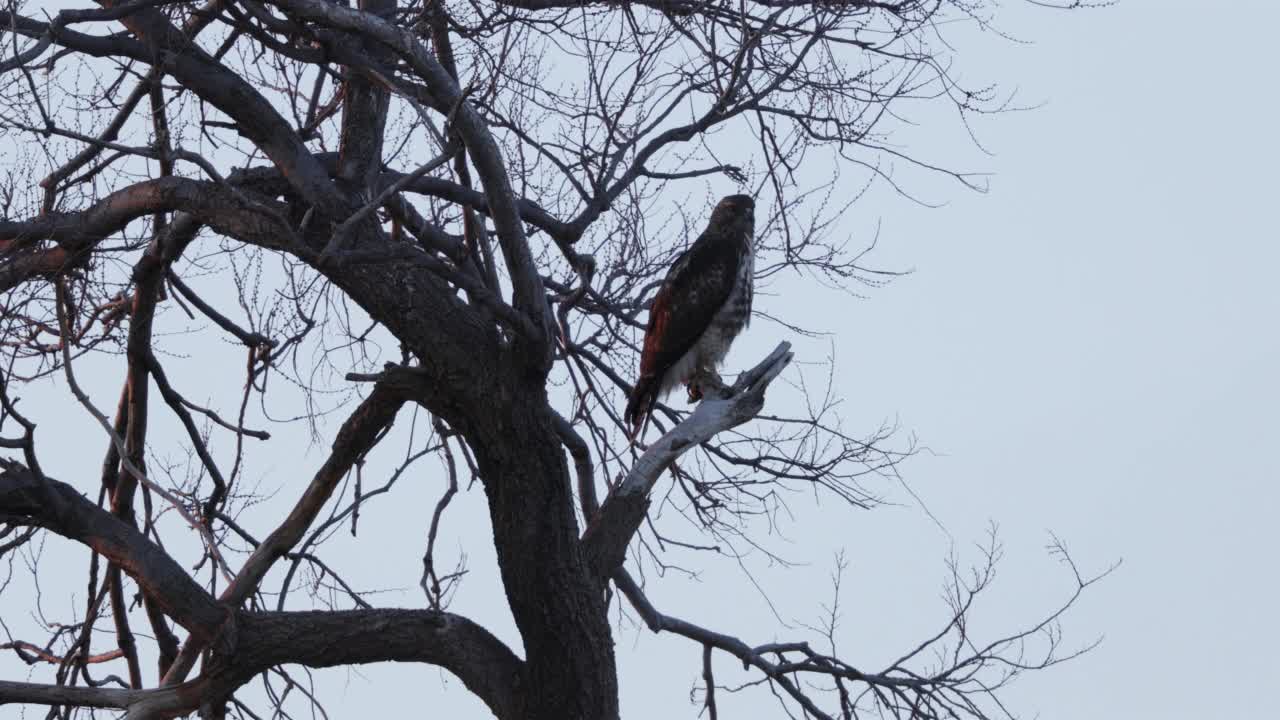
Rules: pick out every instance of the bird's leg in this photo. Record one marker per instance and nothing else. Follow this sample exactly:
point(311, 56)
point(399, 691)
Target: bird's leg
point(695, 392)
point(714, 385)
point(707, 381)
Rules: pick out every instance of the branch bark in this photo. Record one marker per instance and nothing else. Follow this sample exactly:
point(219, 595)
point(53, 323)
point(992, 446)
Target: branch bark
point(170, 49)
point(77, 233)
point(28, 499)
point(314, 639)
point(606, 538)
point(526, 282)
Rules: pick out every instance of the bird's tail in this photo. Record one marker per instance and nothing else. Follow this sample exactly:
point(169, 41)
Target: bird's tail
point(640, 403)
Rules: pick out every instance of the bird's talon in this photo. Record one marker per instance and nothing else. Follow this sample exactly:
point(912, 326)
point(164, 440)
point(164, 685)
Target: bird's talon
point(695, 393)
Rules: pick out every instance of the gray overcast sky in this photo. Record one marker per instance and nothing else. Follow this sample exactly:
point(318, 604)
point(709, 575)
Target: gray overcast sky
point(1089, 349)
point(1092, 348)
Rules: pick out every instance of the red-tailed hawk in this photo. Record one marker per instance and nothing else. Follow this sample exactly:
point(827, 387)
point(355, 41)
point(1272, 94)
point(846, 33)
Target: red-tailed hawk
point(704, 302)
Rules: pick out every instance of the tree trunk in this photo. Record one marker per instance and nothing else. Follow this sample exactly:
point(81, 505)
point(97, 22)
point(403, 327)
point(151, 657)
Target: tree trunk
point(500, 406)
point(558, 605)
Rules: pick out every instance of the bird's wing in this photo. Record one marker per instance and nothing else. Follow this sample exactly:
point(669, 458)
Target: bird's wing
point(698, 284)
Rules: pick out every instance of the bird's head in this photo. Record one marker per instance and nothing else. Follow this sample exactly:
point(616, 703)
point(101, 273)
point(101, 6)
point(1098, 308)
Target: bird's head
point(735, 212)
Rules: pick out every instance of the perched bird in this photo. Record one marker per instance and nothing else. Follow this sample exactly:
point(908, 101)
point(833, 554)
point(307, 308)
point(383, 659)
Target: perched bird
point(702, 305)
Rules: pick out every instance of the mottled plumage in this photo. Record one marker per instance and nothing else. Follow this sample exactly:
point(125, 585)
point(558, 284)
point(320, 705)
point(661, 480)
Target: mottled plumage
point(702, 305)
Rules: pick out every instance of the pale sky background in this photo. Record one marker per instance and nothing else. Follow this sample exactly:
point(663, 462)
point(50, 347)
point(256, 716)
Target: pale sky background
point(1090, 349)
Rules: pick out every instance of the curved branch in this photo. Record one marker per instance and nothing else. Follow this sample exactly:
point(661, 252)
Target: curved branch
point(526, 282)
point(314, 639)
point(529, 211)
point(76, 233)
point(29, 499)
point(327, 638)
point(267, 180)
point(165, 46)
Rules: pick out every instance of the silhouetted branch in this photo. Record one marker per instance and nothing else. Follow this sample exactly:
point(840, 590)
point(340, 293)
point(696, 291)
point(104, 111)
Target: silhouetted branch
point(26, 499)
point(606, 538)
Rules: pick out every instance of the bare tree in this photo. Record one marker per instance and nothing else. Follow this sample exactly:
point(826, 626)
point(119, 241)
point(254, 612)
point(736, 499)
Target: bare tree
point(481, 189)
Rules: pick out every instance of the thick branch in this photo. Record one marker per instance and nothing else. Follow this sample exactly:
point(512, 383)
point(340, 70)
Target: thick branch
point(26, 499)
point(314, 639)
point(37, 694)
point(167, 47)
point(255, 117)
point(325, 639)
point(528, 210)
point(525, 280)
point(76, 233)
point(267, 180)
point(365, 116)
point(606, 538)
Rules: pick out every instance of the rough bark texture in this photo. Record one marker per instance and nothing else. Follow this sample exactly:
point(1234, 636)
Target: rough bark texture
point(50, 504)
point(557, 603)
point(328, 639)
